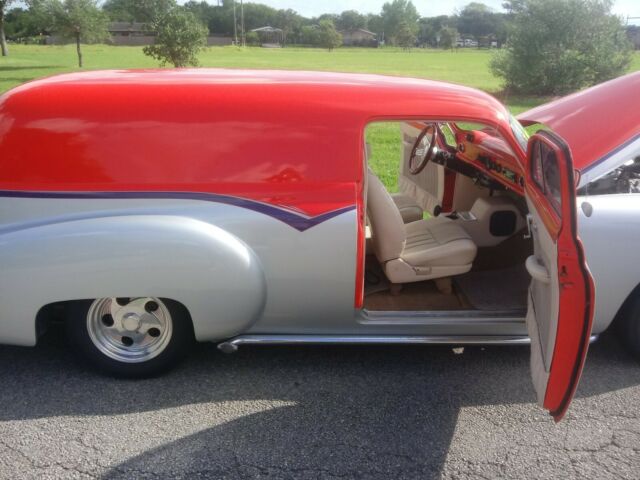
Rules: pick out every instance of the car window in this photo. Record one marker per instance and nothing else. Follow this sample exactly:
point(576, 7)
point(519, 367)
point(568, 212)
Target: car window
point(545, 172)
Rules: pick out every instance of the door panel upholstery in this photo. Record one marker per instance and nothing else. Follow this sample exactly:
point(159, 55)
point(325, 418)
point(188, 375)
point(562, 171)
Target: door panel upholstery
point(426, 188)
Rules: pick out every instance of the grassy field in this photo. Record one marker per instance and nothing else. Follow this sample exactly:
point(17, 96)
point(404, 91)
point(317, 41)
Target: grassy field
point(468, 67)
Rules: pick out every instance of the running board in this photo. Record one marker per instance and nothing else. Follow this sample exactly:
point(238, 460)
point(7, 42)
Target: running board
point(232, 345)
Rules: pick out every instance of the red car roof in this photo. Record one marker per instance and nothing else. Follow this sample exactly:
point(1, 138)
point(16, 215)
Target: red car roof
point(371, 95)
point(594, 122)
point(291, 139)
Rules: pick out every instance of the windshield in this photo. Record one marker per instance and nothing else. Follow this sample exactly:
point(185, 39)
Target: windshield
point(519, 132)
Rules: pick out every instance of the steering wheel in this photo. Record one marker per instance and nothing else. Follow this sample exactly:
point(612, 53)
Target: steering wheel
point(424, 150)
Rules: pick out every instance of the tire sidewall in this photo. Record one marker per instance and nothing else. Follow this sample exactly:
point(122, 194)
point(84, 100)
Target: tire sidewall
point(628, 325)
point(182, 338)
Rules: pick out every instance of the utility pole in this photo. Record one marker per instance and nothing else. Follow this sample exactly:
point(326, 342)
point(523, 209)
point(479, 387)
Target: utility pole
point(244, 40)
point(235, 24)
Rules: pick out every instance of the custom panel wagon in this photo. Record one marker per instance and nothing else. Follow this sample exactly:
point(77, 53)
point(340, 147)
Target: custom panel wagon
point(148, 209)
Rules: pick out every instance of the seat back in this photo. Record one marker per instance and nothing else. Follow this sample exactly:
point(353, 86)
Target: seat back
point(387, 227)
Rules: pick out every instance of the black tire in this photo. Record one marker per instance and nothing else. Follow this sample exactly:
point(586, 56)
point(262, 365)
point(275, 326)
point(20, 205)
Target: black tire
point(182, 338)
point(627, 325)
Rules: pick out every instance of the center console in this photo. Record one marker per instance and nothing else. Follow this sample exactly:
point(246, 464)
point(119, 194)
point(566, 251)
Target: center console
point(491, 220)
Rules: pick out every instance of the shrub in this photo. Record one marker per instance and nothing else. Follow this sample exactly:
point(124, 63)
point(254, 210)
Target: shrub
point(558, 46)
point(179, 38)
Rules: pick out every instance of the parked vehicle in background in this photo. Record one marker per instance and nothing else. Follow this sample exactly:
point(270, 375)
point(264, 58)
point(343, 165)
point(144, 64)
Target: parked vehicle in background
point(149, 209)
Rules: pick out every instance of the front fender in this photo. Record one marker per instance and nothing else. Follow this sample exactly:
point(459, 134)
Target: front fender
point(214, 274)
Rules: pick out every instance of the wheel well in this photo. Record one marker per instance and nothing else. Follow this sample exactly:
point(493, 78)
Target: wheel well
point(633, 295)
point(54, 315)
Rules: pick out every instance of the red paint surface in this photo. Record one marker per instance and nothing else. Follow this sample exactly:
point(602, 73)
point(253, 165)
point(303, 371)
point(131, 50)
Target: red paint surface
point(291, 139)
point(449, 190)
point(576, 305)
point(594, 121)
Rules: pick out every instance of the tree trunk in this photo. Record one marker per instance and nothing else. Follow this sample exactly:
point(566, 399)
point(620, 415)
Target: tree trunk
point(79, 50)
point(3, 40)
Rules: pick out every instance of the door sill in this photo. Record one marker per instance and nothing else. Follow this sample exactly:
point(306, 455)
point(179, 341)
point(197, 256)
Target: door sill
point(438, 317)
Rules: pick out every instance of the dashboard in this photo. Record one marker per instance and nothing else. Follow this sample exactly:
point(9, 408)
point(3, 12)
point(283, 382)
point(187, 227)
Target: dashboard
point(491, 155)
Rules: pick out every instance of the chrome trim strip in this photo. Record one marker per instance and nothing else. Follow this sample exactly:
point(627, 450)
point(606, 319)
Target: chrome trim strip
point(435, 317)
point(519, 313)
point(233, 343)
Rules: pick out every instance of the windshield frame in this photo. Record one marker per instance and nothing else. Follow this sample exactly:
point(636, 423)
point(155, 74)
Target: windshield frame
point(519, 133)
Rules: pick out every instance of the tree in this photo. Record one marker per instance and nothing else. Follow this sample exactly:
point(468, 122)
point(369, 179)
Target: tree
point(328, 35)
point(145, 11)
point(79, 20)
point(179, 38)
point(351, 20)
point(557, 46)
point(429, 29)
point(477, 19)
point(375, 23)
point(289, 22)
point(4, 8)
point(405, 38)
point(27, 25)
point(448, 37)
point(252, 38)
point(396, 12)
point(310, 35)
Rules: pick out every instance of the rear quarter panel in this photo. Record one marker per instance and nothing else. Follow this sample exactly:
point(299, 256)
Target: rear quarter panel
point(235, 269)
point(610, 238)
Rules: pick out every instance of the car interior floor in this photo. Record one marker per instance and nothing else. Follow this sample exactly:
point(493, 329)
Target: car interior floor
point(418, 296)
point(498, 281)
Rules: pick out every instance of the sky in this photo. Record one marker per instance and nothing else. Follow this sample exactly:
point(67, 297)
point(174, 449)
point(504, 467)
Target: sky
point(427, 8)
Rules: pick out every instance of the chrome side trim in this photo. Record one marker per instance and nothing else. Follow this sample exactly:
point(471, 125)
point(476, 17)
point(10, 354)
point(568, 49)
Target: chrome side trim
point(231, 345)
point(437, 317)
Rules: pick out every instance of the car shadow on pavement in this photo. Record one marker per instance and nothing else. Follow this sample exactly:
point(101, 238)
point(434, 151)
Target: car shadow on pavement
point(303, 412)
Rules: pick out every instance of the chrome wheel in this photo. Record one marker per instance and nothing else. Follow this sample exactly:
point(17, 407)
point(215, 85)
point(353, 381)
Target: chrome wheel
point(130, 330)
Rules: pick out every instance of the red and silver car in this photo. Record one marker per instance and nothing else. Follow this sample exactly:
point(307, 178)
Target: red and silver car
point(149, 209)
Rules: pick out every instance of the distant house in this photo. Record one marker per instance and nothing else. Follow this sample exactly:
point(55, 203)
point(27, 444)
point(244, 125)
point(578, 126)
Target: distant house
point(270, 36)
point(129, 33)
point(359, 37)
point(135, 33)
point(127, 29)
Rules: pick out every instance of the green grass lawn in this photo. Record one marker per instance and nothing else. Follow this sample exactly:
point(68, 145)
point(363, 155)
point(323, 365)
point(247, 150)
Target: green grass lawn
point(466, 66)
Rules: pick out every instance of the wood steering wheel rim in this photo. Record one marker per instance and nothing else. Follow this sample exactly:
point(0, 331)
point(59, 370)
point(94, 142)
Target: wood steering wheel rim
point(416, 168)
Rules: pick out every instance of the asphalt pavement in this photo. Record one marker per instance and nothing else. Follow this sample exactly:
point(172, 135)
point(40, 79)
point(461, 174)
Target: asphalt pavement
point(316, 412)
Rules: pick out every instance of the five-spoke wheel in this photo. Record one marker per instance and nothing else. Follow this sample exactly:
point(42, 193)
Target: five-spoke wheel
point(133, 337)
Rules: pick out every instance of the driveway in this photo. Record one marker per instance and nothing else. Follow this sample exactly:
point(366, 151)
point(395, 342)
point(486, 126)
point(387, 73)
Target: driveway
point(316, 412)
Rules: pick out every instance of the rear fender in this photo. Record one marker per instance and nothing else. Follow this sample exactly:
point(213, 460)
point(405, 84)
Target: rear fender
point(215, 275)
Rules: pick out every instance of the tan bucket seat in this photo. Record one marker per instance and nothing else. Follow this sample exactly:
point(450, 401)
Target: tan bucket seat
point(421, 250)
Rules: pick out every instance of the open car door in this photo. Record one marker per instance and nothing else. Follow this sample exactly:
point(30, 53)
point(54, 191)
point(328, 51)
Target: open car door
point(561, 294)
